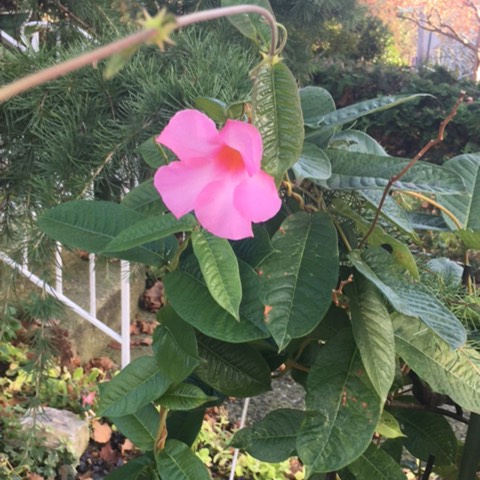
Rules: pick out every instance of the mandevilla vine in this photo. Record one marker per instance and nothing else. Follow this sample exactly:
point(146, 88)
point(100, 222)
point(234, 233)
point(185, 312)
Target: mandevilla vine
point(326, 288)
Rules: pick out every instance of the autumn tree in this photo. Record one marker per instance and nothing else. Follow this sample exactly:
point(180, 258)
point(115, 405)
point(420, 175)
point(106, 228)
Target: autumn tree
point(457, 20)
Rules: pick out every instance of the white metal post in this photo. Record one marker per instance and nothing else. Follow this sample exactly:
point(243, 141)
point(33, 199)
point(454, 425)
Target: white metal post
point(92, 280)
point(125, 311)
point(243, 420)
point(58, 268)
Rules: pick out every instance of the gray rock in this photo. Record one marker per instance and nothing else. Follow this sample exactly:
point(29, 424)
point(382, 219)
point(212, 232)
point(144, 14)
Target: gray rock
point(60, 428)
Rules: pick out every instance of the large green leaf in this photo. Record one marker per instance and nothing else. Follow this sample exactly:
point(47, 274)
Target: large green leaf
point(184, 425)
point(357, 141)
point(135, 386)
point(188, 294)
point(140, 468)
point(272, 439)
point(175, 346)
point(407, 296)
point(215, 109)
point(342, 405)
point(367, 107)
point(145, 199)
point(220, 271)
point(465, 207)
point(298, 278)
point(469, 238)
point(378, 238)
point(391, 210)
point(233, 369)
point(140, 427)
point(359, 171)
point(183, 396)
point(251, 25)
point(253, 250)
point(313, 164)
point(177, 462)
point(427, 434)
point(316, 102)
point(376, 464)
point(149, 230)
point(373, 332)
point(278, 115)
point(455, 373)
point(91, 225)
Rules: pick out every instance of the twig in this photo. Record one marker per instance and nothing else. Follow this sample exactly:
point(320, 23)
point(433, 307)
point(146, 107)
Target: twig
point(133, 40)
point(420, 154)
point(426, 408)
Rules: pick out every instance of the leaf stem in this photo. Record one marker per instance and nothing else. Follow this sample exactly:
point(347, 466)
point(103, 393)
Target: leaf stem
point(420, 154)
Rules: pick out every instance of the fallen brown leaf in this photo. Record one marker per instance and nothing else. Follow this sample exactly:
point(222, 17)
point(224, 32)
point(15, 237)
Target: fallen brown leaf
point(109, 455)
point(101, 432)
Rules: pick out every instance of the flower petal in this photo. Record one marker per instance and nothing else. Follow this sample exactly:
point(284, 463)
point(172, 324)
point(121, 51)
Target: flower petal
point(246, 139)
point(215, 211)
point(191, 135)
point(256, 198)
point(180, 184)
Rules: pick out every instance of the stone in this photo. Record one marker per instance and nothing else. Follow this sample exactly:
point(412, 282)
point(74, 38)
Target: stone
point(60, 428)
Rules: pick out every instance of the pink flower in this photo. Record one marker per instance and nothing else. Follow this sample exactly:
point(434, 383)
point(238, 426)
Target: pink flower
point(218, 175)
point(88, 400)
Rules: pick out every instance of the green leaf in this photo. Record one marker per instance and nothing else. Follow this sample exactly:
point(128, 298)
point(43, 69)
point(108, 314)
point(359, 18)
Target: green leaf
point(154, 154)
point(378, 238)
point(272, 439)
point(175, 346)
point(145, 199)
point(376, 464)
point(220, 271)
point(360, 109)
point(313, 164)
point(373, 332)
point(149, 230)
point(359, 171)
point(449, 271)
point(117, 61)
point(425, 221)
point(407, 296)
point(388, 426)
point(139, 468)
point(342, 406)
point(357, 141)
point(469, 238)
point(455, 373)
point(316, 102)
point(135, 386)
point(465, 207)
point(298, 278)
point(278, 115)
point(391, 211)
point(253, 250)
point(251, 25)
point(184, 425)
point(91, 225)
point(183, 396)
point(140, 427)
point(215, 109)
point(233, 369)
point(190, 298)
point(177, 462)
point(427, 434)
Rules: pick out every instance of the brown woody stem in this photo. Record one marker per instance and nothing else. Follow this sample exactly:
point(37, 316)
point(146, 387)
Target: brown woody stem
point(420, 154)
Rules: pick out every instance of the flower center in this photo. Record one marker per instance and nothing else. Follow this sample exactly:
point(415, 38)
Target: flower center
point(231, 159)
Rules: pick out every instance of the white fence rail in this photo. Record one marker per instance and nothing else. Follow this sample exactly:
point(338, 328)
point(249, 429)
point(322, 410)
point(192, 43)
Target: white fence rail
point(91, 316)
